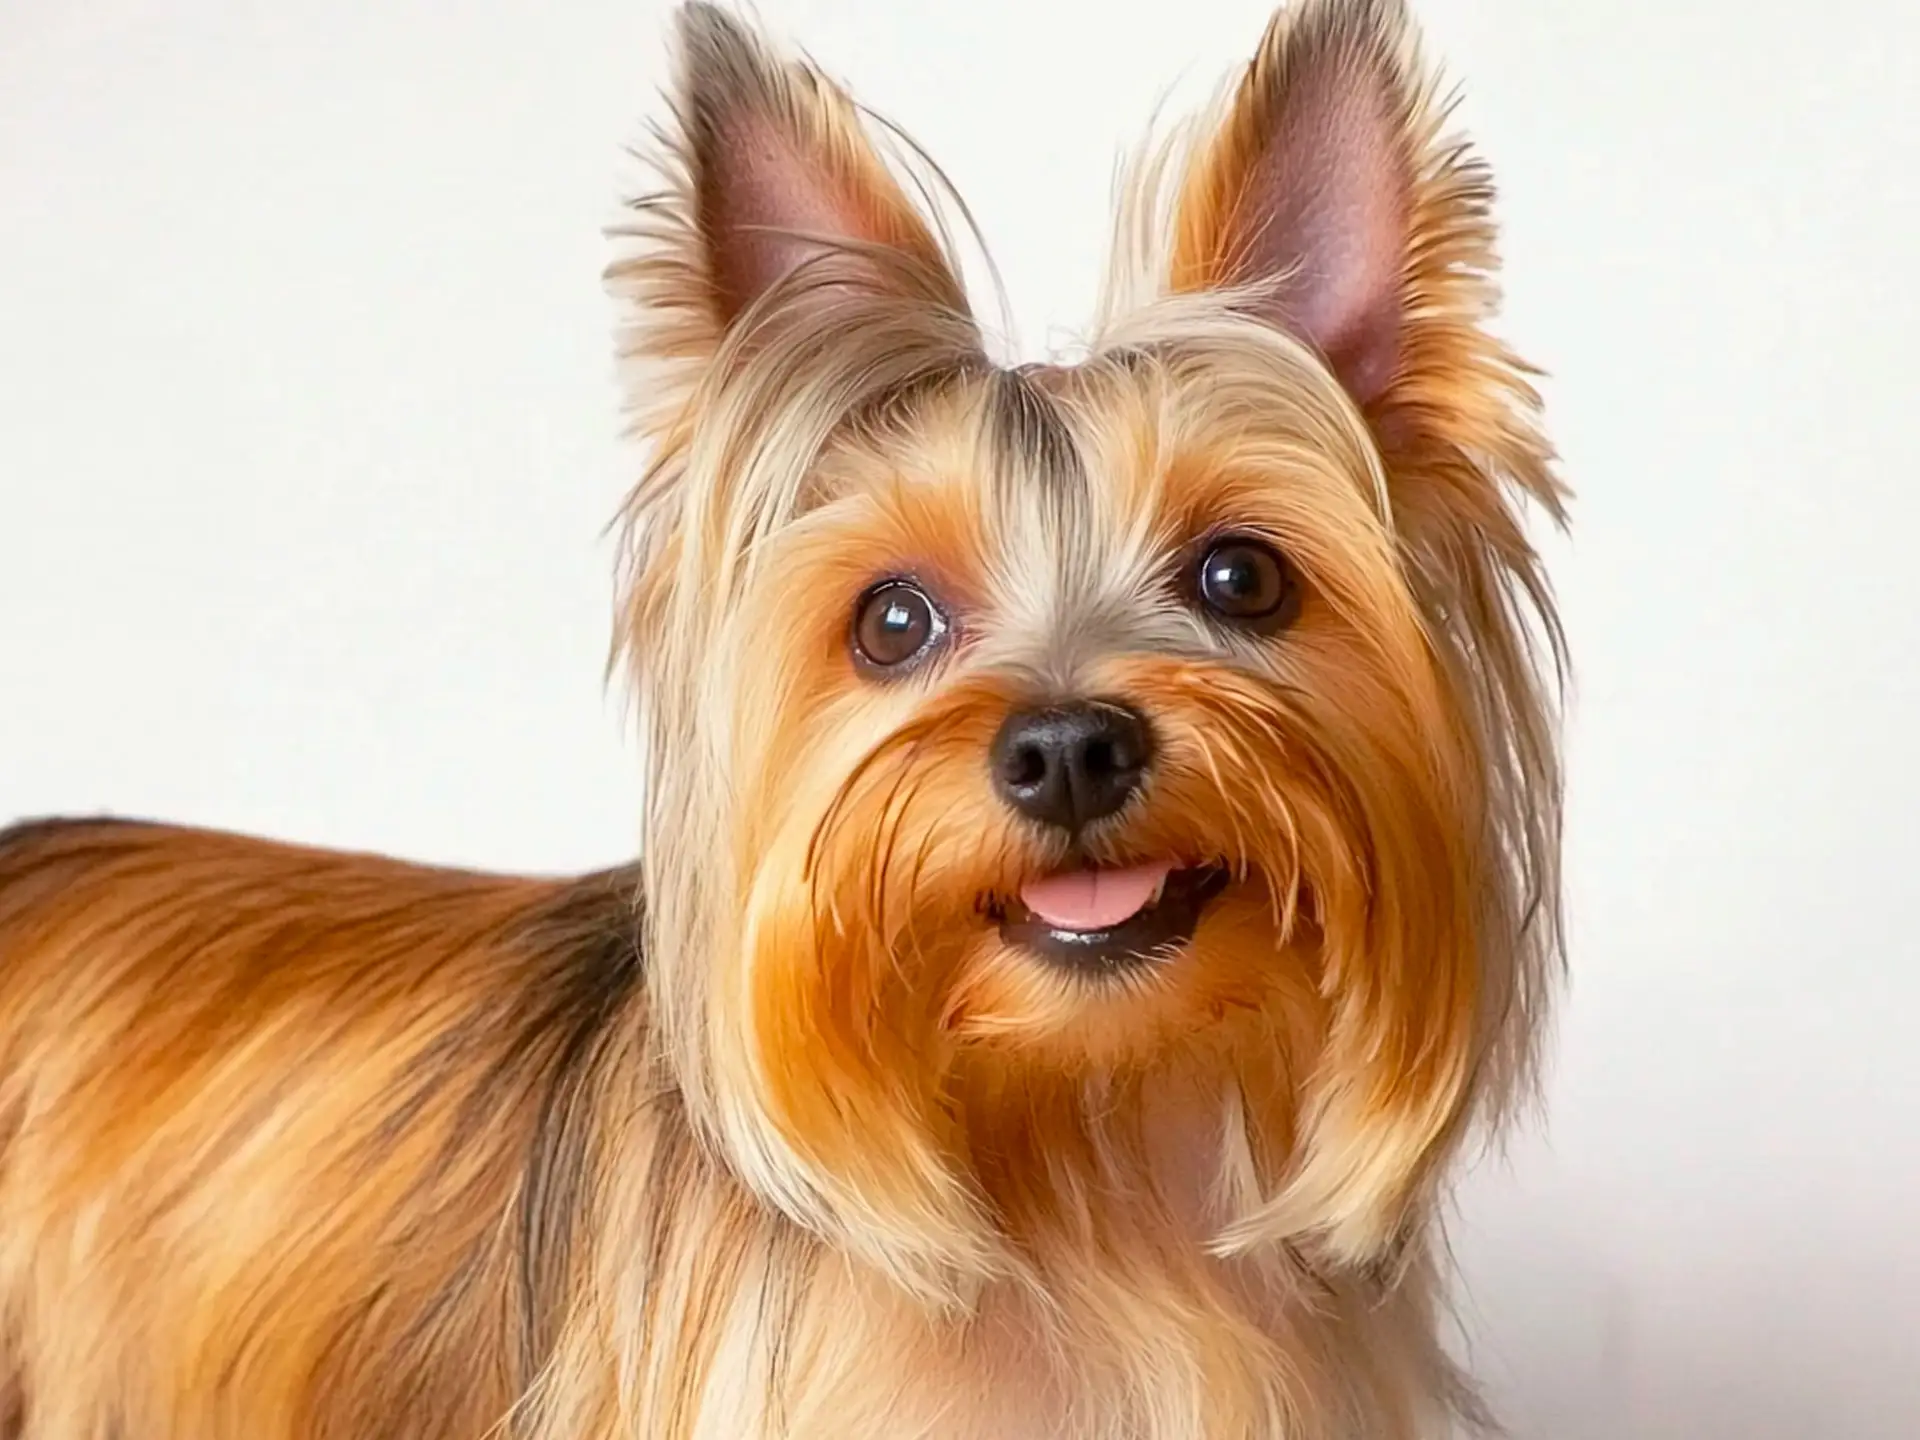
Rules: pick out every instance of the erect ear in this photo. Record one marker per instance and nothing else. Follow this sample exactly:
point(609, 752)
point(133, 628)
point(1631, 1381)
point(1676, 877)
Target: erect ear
point(782, 170)
point(772, 191)
point(1311, 188)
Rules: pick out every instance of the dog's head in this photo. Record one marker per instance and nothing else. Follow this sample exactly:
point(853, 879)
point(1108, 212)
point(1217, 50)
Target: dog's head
point(1019, 739)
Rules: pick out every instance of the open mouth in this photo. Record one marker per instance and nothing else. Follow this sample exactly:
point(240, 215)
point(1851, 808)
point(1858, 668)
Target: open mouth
point(1106, 918)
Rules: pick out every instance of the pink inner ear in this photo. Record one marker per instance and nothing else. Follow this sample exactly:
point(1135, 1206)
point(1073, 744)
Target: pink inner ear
point(1325, 204)
point(756, 186)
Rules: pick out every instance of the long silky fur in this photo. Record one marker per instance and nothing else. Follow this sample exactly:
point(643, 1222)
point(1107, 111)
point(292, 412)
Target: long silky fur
point(295, 1143)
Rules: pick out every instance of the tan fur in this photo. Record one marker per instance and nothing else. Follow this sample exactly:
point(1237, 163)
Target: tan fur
point(296, 1144)
point(277, 1121)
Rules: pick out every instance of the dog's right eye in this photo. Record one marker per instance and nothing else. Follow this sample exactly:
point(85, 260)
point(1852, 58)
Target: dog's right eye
point(894, 624)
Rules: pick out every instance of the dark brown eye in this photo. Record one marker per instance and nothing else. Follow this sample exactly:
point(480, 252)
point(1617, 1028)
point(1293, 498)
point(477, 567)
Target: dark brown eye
point(1246, 581)
point(895, 623)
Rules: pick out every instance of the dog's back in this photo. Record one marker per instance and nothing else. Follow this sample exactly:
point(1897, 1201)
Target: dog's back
point(284, 1139)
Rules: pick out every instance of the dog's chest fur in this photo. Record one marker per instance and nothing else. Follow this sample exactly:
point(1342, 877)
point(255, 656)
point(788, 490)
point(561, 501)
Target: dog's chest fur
point(1142, 1336)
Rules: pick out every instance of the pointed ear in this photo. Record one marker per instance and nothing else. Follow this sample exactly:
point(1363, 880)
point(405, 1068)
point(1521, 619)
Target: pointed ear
point(782, 170)
point(1310, 190)
point(772, 192)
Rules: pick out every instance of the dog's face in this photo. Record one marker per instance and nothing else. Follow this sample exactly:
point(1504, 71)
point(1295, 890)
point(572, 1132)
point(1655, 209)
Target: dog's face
point(1021, 740)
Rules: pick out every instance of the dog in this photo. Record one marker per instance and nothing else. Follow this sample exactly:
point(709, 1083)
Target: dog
point(1099, 869)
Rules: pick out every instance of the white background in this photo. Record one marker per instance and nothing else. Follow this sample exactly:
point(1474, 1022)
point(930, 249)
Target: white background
point(307, 443)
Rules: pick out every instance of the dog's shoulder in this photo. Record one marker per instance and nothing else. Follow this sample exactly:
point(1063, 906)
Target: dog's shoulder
point(594, 918)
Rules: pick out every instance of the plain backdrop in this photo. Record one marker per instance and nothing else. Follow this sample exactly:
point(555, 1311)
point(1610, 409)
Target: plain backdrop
point(308, 443)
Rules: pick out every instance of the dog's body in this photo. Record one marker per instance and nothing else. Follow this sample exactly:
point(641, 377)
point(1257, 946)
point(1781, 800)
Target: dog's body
point(292, 1139)
point(1100, 863)
point(308, 1144)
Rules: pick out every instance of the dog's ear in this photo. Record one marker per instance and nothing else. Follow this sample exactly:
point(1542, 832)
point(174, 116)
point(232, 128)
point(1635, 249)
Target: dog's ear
point(1327, 195)
point(1309, 191)
point(773, 194)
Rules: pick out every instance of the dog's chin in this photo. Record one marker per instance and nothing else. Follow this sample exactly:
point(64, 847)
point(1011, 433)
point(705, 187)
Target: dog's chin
point(1110, 920)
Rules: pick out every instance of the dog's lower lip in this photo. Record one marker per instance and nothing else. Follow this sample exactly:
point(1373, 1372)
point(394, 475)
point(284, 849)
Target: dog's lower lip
point(1154, 932)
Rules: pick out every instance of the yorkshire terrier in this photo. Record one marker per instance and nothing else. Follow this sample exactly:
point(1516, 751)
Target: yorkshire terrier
point(1099, 866)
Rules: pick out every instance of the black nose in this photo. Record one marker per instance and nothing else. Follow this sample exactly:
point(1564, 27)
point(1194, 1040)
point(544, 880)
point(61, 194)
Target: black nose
point(1068, 765)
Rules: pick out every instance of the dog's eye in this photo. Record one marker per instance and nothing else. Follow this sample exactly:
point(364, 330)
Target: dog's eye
point(1246, 581)
point(895, 623)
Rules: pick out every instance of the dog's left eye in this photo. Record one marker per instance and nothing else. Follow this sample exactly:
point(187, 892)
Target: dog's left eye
point(896, 622)
point(1248, 582)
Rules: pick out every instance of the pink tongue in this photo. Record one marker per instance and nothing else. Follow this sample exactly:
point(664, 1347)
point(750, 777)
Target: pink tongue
point(1093, 899)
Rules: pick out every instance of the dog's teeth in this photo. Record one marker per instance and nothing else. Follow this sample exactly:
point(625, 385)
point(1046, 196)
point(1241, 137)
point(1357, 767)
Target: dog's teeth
point(1159, 889)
